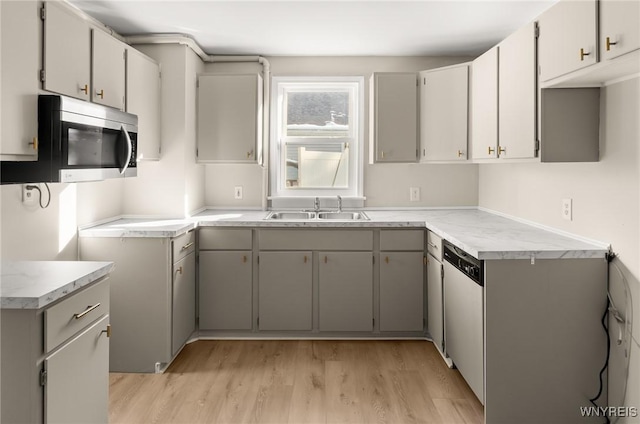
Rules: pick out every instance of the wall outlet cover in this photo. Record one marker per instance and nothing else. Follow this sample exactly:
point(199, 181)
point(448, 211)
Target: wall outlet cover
point(28, 195)
point(567, 212)
point(414, 194)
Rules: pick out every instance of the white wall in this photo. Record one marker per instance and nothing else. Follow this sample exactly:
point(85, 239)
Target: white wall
point(384, 184)
point(606, 206)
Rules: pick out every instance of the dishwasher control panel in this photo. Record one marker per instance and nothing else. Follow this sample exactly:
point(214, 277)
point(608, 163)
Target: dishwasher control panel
point(472, 267)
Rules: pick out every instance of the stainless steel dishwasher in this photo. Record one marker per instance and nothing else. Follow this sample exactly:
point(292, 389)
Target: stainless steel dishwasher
point(464, 315)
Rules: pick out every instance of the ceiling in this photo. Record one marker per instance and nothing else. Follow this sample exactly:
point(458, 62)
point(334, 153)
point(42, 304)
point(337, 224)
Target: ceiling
point(326, 27)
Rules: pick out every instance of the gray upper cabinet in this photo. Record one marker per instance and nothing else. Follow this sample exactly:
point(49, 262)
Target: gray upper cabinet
point(444, 104)
point(67, 52)
point(108, 70)
point(484, 105)
point(517, 99)
point(143, 99)
point(568, 38)
point(229, 126)
point(20, 84)
point(394, 117)
point(619, 27)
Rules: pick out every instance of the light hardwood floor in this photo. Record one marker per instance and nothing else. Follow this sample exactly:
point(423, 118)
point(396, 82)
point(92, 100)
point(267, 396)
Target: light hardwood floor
point(297, 381)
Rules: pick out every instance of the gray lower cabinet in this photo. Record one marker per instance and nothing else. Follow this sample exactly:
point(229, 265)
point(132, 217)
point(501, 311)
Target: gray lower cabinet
point(184, 301)
point(435, 302)
point(401, 291)
point(145, 288)
point(346, 291)
point(55, 360)
point(285, 291)
point(226, 290)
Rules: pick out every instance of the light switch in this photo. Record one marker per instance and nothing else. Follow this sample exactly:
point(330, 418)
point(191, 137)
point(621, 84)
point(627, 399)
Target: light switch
point(237, 192)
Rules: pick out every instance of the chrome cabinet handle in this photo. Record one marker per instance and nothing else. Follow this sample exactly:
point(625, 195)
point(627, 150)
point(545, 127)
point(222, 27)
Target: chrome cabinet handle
point(186, 246)
point(86, 311)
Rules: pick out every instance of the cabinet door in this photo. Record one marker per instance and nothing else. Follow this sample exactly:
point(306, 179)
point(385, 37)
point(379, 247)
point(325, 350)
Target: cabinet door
point(444, 102)
point(77, 387)
point(19, 81)
point(395, 117)
point(225, 290)
point(285, 282)
point(435, 309)
point(143, 99)
point(401, 291)
point(484, 105)
point(568, 38)
point(620, 25)
point(346, 291)
point(228, 120)
point(517, 95)
point(184, 301)
point(67, 52)
point(108, 70)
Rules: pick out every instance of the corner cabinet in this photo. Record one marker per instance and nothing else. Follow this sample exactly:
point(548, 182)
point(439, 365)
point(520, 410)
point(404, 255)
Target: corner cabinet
point(229, 118)
point(394, 117)
point(143, 99)
point(504, 99)
point(444, 104)
point(19, 79)
point(153, 292)
point(59, 360)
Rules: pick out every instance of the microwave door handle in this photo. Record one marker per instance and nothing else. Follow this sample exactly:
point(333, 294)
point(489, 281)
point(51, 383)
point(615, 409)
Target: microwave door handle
point(129, 149)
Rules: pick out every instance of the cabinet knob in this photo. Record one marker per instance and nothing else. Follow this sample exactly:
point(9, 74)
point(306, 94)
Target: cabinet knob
point(502, 150)
point(85, 89)
point(179, 270)
point(100, 93)
point(244, 259)
point(583, 54)
point(460, 153)
point(108, 331)
point(325, 259)
point(305, 259)
point(34, 143)
point(490, 150)
point(610, 43)
point(386, 259)
point(250, 154)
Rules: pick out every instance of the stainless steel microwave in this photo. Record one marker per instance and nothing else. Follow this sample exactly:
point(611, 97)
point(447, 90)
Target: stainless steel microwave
point(78, 141)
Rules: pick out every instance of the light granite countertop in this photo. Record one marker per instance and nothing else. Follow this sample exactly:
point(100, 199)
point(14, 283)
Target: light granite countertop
point(36, 284)
point(483, 234)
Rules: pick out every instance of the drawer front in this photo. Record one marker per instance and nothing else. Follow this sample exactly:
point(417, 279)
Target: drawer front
point(183, 245)
point(225, 239)
point(434, 245)
point(73, 314)
point(316, 239)
point(402, 240)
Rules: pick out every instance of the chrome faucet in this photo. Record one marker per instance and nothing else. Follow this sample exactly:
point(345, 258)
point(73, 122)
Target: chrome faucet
point(339, 203)
point(316, 204)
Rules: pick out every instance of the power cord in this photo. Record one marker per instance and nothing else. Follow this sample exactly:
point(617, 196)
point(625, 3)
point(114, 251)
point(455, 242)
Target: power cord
point(35, 187)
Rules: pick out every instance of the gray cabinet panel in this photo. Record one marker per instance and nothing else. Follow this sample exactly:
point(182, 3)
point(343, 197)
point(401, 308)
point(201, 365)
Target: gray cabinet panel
point(346, 291)
point(435, 305)
point(316, 239)
point(224, 239)
point(285, 282)
point(77, 389)
point(401, 291)
point(184, 301)
point(225, 290)
point(402, 240)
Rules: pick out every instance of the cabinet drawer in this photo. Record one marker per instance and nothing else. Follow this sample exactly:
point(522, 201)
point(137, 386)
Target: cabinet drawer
point(316, 239)
point(225, 239)
point(66, 318)
point(183, 245)
point(402, 240)
point(434, 245)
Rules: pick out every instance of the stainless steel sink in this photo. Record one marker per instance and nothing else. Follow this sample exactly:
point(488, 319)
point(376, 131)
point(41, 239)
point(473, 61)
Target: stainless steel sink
point(345, 216)
point(291, 215)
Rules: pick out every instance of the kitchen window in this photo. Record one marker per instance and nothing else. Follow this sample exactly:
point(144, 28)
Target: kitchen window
point(316, 133)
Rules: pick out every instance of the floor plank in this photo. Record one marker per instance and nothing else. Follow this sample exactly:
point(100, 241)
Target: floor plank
point(298, 382)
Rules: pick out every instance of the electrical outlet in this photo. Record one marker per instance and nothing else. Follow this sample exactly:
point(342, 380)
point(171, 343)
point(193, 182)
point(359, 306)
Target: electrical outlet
point(414, 194)
point(567, 213)
point(237, 192)
point(28, 194)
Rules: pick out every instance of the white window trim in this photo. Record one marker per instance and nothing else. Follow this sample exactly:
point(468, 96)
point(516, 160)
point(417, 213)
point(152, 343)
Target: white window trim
point(356, 164)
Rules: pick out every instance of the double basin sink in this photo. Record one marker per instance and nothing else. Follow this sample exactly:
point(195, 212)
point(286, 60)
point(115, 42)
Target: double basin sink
point(321, 215)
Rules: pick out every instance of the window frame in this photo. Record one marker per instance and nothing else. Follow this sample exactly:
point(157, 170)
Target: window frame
point(279, 141)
